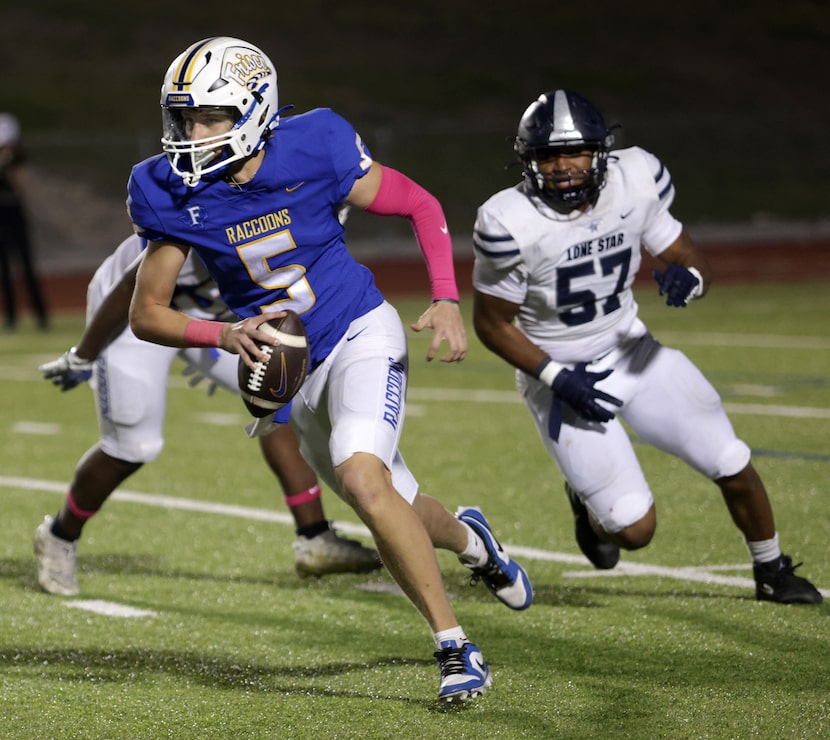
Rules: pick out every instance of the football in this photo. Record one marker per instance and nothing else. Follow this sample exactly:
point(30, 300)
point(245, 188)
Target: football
point(270, 385)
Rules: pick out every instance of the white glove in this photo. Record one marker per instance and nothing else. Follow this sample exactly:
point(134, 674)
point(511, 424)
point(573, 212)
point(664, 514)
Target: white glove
point(261, 427)
point(198, 377)
point(68, 370)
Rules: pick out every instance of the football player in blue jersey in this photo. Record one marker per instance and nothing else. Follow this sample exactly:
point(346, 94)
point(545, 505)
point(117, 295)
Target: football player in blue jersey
point(555, 259)
point(131, 408)
point(257, 196)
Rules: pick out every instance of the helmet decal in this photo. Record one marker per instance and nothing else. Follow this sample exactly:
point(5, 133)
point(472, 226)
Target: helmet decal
point(247, 69)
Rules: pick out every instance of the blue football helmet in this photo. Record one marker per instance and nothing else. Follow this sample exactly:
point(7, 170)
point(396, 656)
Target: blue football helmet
point(563, 120)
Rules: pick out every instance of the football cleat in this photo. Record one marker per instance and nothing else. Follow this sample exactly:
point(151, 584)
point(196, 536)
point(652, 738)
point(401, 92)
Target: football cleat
point(603, 554)
point(464, 674)
point(328, 552)
point(55, 561)
point(777, 581)
point(504, 577)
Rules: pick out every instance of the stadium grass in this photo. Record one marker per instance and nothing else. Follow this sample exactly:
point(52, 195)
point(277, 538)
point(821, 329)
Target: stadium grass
point(240, 647)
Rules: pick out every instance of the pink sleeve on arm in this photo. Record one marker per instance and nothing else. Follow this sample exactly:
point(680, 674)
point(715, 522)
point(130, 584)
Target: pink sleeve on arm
point(400, 196)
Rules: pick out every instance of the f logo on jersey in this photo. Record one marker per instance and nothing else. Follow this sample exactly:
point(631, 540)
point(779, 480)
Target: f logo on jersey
point(194, 216)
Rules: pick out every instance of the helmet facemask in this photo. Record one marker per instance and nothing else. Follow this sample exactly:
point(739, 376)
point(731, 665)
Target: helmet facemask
point(221, 74)
point(191, 158)
point(562, 120)
point(566, 199)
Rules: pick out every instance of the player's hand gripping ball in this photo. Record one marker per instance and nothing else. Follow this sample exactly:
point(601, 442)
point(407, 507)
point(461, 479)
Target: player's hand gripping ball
point(271, 385)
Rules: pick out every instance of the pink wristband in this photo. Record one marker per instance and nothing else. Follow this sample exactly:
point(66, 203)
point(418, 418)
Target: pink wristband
point(201, 333)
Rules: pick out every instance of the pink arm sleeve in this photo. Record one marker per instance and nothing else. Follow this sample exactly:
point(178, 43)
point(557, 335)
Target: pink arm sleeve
point(400, 196)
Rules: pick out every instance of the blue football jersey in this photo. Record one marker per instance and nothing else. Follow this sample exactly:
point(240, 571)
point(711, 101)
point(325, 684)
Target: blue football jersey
point(275, 243)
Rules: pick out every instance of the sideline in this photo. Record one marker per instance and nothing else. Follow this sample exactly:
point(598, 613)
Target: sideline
point(706, 575)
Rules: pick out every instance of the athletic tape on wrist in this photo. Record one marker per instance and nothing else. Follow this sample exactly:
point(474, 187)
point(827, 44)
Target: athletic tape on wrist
point(547, 370)
point(697, 291)
point(202, 333)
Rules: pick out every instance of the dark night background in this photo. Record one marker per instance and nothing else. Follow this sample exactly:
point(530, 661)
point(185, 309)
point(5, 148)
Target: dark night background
point(733, 97)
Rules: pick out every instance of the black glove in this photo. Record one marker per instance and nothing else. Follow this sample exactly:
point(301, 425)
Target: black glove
point(576, 388)
point(679, 284)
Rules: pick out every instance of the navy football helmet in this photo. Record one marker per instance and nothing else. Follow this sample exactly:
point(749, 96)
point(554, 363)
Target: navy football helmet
point(563, 120)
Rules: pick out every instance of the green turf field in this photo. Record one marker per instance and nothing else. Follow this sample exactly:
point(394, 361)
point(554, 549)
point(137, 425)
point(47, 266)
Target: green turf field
point(232, 644)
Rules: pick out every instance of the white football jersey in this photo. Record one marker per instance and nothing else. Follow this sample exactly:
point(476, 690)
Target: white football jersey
point(571, 274)
point(196, 292)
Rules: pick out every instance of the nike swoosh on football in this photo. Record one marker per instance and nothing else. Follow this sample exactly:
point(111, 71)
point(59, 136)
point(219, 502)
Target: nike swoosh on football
point(292, 188)
point(280, 392)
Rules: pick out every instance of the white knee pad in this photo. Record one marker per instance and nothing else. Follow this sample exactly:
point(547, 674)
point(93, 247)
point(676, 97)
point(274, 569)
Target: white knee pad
point(623, 511)
point(734, 458)
point(132, 449)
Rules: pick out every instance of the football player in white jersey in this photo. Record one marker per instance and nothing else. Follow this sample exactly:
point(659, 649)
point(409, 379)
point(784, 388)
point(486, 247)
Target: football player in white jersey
point(129, 381)
point(555, 259)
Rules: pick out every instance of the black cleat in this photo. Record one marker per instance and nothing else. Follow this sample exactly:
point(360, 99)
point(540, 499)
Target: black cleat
point(777, 581)
point(603, 554)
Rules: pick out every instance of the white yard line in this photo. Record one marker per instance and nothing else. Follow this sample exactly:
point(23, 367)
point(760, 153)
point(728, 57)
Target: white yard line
point(109, 608)
point(699, 574)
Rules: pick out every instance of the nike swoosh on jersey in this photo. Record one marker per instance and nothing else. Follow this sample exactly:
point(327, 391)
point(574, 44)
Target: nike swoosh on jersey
point(627, 213)
point(292, 188)
point(355, 335)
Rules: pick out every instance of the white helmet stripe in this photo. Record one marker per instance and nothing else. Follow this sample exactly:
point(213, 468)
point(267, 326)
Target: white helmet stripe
point(563, 121)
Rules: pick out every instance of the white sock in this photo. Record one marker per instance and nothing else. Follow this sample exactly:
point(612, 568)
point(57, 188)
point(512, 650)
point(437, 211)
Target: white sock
point(763, 551)
point(475, 553)
point(456, 633)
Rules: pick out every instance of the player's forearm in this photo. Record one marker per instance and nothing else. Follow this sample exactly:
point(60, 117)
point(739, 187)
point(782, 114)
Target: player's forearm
point(506, 341)
point(108, 321)
point(157, 323)
point(398, 195)
point(686, 253)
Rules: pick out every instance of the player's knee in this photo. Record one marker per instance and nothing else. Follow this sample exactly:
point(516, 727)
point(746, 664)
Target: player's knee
point(363, 482)
point(133, 451)
point(733, 459)
point(631, 520)
point(639, 534)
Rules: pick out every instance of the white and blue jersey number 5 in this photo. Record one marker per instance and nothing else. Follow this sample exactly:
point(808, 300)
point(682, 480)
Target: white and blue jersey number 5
point(584, 301)
point(288, 280)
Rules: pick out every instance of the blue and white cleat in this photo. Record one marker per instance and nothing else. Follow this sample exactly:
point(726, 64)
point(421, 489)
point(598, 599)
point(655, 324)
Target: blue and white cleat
point(504, 577)
point(464, 674)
